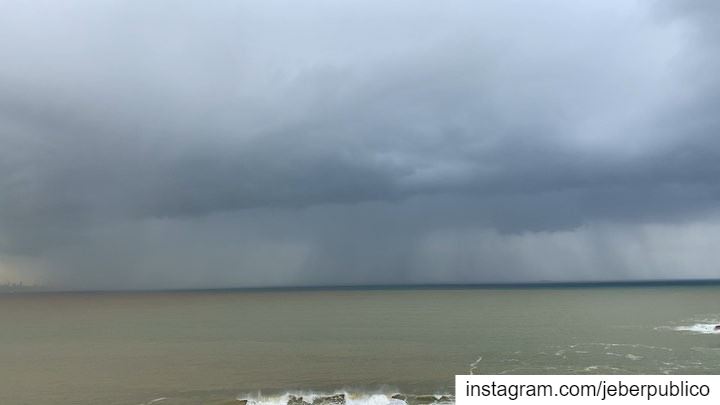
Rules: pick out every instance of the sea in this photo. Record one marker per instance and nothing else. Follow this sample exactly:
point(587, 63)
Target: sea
point(375, 346)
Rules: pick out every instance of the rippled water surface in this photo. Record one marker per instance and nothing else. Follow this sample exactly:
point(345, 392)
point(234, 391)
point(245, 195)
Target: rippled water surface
point(202, 347)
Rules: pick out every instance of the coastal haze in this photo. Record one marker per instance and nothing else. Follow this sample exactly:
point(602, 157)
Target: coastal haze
point(211, 347)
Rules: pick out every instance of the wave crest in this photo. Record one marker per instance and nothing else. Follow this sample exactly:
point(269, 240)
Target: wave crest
point(700, 328)
point(346, 398)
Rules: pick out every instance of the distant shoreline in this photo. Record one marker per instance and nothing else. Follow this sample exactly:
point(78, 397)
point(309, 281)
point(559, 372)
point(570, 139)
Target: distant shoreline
point(393, 287)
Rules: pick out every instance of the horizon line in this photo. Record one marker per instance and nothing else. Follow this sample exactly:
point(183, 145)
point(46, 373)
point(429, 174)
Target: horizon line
point(395, 286)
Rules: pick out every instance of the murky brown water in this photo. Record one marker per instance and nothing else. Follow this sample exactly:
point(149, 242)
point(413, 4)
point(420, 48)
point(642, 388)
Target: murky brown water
point(193, 347)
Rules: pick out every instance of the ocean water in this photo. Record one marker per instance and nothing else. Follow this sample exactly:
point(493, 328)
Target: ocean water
point(214, 347)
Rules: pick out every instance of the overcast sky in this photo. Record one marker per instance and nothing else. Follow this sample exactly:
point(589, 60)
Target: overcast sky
point(229, 143)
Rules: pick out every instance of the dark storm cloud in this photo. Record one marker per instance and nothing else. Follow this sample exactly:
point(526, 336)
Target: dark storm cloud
point(157, 145)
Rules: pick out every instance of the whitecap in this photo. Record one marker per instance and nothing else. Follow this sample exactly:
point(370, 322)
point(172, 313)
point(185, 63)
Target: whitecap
point(351, 398)
point(474, 365)
point(699, 328)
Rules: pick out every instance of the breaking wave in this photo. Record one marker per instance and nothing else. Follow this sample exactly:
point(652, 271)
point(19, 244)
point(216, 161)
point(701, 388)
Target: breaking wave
point(337, 398)
point(701, 328)
point(348, 398)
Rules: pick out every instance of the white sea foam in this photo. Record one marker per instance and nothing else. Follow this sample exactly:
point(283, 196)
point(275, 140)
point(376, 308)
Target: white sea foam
point(701, 328)
point(377, 399)
point(608, 346)
point(351, 398)
point(154, 401)
point(474, 365)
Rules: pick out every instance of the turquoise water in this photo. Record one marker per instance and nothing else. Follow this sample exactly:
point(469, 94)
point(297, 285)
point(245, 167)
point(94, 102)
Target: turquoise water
point(199, 347)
